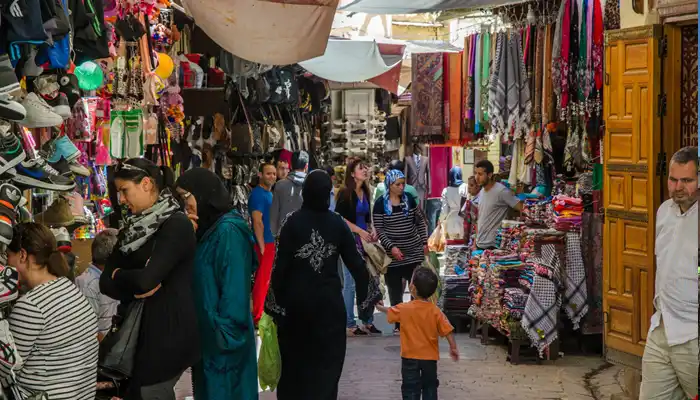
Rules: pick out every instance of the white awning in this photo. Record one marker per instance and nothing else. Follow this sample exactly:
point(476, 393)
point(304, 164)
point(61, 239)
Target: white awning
point(415, 6)
point(273, 32)
point(354, 60)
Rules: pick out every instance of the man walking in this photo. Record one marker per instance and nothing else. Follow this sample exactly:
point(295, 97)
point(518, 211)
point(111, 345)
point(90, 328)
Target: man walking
point(259, 205)
point(495, 200)
point(670, 362)
point(287, 194)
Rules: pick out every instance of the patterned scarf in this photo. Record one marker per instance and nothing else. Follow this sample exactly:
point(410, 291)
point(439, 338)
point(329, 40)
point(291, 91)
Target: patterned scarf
point(140, 227)
point(391, 177)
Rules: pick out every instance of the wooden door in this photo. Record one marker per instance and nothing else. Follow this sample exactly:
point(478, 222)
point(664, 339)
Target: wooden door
point(631, 189)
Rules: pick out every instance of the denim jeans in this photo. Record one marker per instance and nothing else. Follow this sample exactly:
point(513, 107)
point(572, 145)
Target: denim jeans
point(419, 377)
point(349, 298)
point(432, 213)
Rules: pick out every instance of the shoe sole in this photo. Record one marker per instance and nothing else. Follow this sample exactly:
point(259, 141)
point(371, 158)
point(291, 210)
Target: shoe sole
point(9, 88)
point(29, 181)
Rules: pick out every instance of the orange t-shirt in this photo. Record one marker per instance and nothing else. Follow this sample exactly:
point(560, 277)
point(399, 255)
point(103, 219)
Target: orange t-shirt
point(422, 323)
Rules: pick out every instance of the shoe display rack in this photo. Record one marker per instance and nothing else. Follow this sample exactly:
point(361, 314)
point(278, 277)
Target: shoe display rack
point(358, 129)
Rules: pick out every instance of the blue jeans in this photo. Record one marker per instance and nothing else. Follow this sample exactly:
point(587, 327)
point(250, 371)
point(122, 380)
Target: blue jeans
point(432, 213)
point(419, 377)
point(349, 298)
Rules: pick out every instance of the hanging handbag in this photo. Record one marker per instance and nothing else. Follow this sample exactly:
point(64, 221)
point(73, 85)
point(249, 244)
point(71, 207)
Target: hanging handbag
point(242, 134)
point(118, 349)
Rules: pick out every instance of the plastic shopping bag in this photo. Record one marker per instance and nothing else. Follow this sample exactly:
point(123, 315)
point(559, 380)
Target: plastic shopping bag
point(436, 241)
point(269, 360)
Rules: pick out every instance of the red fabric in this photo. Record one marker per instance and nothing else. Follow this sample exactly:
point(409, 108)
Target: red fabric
point(262, 279)
point(440, 159)
point(390, 79)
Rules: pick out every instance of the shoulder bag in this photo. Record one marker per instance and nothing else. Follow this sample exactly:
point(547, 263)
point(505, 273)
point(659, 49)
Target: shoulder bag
point(118, 349)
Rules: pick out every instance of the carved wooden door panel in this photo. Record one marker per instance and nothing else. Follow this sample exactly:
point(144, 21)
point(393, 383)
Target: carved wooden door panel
point(631, 192)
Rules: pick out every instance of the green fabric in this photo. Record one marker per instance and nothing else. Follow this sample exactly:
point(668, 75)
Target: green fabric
point(597, 176)
point(224, 263)
point(485, 72)
point(379, 191)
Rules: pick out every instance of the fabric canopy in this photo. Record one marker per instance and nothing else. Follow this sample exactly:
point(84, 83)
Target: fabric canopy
point(273, 32)
point(415, 6)
point(352, 61)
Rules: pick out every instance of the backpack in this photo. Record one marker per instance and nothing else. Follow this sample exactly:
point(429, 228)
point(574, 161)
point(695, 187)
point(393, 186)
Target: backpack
point(283, 87)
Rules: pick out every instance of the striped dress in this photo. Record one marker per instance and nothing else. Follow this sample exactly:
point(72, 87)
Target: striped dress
point(407, 232)
point(55, 331)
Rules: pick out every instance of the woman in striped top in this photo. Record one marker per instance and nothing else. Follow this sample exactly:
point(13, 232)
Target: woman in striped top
point(53, 325)
point(402, 231)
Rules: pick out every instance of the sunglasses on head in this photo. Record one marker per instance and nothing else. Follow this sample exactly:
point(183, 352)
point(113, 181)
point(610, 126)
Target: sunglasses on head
point(129, 167)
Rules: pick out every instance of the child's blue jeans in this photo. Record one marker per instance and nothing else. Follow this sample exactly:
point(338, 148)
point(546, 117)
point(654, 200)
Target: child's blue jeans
point(419, 377)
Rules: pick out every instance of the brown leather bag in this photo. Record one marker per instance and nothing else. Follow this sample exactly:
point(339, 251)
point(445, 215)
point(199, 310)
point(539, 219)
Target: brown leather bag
point(241, 134)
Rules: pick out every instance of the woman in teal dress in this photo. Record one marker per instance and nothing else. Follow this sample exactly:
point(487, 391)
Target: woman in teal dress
point(224, 264)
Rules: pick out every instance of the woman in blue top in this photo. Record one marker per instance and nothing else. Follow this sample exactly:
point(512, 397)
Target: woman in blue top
point(353, 204)
point(224, 264)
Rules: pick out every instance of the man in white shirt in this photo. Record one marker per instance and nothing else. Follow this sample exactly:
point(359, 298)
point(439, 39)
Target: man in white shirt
point(670, 362)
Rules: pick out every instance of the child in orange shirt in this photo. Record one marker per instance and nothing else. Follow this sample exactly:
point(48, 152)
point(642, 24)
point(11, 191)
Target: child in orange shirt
point(422, 323)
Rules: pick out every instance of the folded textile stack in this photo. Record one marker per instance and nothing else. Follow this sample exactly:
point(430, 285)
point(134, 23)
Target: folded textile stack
point(567, 212)
point(514, 300)
point(508, 236)
point(456, 257)
point(536, 211)
point(455, 299)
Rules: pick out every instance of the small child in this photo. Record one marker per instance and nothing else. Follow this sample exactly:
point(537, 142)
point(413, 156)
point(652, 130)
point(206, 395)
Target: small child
point(422, 323)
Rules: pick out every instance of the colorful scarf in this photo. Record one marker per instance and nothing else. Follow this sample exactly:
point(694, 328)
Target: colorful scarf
point(485, 75)
point(391, 177)
point(478, 128)
point(498, 114)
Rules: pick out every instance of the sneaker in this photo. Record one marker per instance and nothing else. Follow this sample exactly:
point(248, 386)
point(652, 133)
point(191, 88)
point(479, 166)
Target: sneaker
point(76, 203)
point(8, 78)
point(63, 168)
point(62, 146)
point(10, 197)
point(10, 109)
point(11, 150)
point(39, 114)
point(372, 330)
point(63, 243)
point(78, 168)
point(9, 287)
point(58, 214)
point(38, 174)
point(60, 105)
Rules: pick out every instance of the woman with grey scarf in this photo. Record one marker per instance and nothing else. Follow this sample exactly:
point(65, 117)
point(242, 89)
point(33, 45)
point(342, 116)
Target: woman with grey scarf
point(153, 260)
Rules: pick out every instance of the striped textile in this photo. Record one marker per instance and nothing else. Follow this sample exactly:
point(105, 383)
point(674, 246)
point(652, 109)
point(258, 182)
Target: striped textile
point(55, 331)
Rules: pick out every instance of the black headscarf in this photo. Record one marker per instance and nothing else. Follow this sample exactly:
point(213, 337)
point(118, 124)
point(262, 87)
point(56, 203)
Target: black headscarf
point(316, 191)
point(213, 199)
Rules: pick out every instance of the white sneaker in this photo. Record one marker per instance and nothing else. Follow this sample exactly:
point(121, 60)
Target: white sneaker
point(39, 113)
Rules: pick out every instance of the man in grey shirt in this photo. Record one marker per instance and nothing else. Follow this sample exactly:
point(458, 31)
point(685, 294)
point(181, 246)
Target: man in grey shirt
point(495, 200)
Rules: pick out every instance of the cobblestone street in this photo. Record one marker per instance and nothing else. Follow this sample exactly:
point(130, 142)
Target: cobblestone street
point(372, 371)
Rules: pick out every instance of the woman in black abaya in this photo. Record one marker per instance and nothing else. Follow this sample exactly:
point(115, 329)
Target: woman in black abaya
point(305, 296)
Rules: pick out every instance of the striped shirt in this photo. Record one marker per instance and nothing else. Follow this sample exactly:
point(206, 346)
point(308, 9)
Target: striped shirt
point(55, 331)
point(407, 232)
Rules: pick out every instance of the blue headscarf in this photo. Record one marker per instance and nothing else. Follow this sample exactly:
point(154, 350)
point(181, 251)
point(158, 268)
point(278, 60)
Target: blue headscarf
point(391, 177)
point(455, 177)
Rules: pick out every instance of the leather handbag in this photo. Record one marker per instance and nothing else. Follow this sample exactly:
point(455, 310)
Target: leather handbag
point(118, 348)
point(242, 134)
